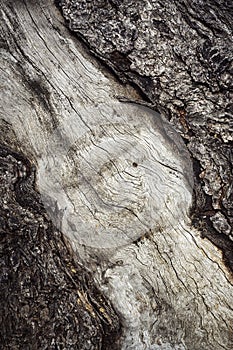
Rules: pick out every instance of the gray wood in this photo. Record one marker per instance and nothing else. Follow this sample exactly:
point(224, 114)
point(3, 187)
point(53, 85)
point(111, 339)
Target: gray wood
point(179, 54)
point(116, 179)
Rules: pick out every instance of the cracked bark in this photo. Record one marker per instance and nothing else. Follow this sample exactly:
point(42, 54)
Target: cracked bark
point(115, 178)
point(180, 56)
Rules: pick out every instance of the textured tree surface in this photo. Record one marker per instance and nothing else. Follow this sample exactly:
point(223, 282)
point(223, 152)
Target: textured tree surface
point(98, 247)
point(180, 55)
point(48, 299)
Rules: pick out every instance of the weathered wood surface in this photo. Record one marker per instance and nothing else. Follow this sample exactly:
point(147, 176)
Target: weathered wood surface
point(180, 55)
point(48, 298)
point(116, 179)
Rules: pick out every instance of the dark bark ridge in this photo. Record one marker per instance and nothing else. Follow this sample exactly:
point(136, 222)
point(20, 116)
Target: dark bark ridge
point(179, 55)
point(48, 299)
point(169, 288)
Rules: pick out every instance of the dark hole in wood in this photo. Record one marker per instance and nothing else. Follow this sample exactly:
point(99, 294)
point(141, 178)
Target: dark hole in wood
point(135, 165)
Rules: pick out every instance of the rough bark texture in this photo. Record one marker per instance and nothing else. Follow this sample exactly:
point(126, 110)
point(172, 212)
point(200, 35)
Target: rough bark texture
point(48, 299)
point(97, 161)
point(180, 55)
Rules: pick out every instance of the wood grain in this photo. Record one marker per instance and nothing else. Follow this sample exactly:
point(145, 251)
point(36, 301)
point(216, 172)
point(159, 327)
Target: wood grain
point(117, 180)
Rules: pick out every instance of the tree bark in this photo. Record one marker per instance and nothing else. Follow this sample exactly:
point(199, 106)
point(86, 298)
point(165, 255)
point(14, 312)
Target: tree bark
point(102, 238)
point(180, 56)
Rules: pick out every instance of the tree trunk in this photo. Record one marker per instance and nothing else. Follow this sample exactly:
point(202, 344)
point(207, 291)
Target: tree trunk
point(104, 223)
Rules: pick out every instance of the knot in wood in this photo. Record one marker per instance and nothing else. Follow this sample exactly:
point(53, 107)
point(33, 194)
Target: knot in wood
point(115, 177)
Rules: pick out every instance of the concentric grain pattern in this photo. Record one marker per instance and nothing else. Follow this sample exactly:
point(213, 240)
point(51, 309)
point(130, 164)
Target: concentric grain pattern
point(117, 180)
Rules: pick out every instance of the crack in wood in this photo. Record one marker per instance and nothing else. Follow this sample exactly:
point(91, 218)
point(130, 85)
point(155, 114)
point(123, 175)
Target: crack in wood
point(117, 180)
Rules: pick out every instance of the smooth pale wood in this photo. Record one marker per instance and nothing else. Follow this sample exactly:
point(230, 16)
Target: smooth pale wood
point(116, 179)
